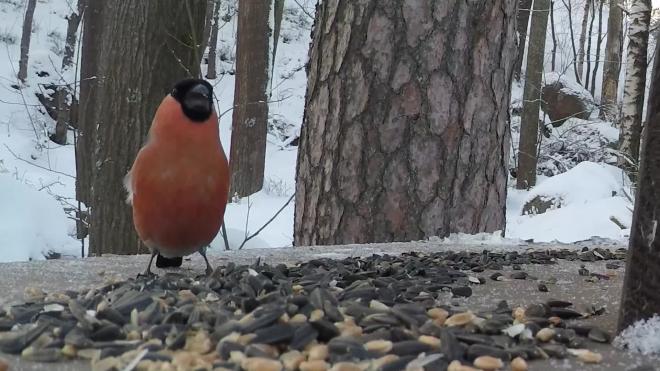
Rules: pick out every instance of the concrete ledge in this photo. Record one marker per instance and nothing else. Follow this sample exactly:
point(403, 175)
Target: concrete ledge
point(76, 274)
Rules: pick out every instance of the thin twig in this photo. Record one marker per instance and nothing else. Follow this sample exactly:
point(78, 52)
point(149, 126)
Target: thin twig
point(303, 9)
point(268, 222)
point(36, 165)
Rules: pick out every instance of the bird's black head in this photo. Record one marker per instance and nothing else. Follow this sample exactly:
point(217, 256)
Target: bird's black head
point(195, 97)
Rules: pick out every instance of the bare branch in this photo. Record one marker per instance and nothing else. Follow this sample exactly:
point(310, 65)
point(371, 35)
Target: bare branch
point(37, 165)
point(268, 222)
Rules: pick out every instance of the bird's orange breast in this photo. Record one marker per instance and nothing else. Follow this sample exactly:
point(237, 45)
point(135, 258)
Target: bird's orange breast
point(180, 182)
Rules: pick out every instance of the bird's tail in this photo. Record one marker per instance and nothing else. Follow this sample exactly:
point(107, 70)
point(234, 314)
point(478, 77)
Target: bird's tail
point(163, 262)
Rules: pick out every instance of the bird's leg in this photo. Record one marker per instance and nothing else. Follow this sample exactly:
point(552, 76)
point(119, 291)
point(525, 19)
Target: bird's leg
point(202, 252)
point(148, 272)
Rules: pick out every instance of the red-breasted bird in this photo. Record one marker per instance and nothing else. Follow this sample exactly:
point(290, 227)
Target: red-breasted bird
point(179, 183)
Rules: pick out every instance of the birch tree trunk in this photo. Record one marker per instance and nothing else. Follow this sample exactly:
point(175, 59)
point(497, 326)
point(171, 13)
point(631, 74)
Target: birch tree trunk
point(527, 149)
point(583, 38)
point(612, 63)
point(634, 83)
point(250, 116)
point(26, 36)
point(641, 285)
point(405, 133)
point(155, 38)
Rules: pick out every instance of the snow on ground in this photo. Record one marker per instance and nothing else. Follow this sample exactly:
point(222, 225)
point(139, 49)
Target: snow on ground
point(589, 200)
point(38, 175)
point(641, 337)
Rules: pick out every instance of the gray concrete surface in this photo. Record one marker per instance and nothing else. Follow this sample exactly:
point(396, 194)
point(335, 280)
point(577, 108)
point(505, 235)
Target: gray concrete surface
point(77, 274)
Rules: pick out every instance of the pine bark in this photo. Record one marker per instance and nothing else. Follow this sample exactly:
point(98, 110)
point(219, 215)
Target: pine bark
point(594, 74)
point(641, 285)
point(522, 24)
point(612, 63)
point(405, 133)
point(250, 115)
point(634, 83)
point(26, 36)
point(583, 38)
point(156, 37)
point(211, 70)
point(528, 147)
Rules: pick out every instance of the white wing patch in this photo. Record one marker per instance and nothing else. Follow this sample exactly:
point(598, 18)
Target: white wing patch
point(129, 188)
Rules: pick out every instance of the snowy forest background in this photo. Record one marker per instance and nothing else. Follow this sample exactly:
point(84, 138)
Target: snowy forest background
point(581, 191)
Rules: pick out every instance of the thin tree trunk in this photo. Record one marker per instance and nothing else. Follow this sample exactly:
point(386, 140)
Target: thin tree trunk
point(612, 63)
point(522, 22)
point(150, 33)
point(569, 7)
point(210, 5)
point(73, 22)
point(26, 36)
point(64, 117)
point(250, 116)
point(554, 36)
point(527, 149)
point(634, 83)
point(641, 286)
point(598, 42)
point(589, 40)
point(211, 70)
point(404, 133)
point(85, 144)
point(583, 38)
point(278, 10)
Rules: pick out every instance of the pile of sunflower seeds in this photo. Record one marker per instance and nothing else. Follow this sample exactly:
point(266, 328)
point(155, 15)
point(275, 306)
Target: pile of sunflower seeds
point(380, 312)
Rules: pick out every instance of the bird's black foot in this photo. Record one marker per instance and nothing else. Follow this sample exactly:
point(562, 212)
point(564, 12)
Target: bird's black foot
point(148, 273)
point(209, 269)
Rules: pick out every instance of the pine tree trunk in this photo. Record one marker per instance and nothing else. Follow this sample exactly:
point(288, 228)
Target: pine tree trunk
point(250, 116)
point(641, 285)
point(583, 38)
point(26, 36)
point(211, 70)
point(634, 83)
point(151, 32)
point(612, 63)
point(598, 41)
point(93, 20)
point(527, 149)
point(405, 133)
point(522, 22)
